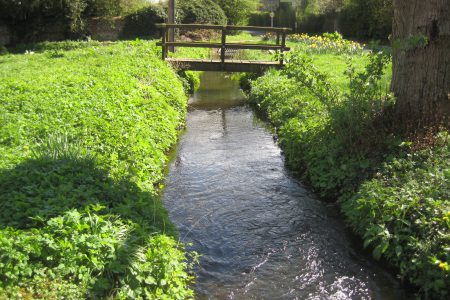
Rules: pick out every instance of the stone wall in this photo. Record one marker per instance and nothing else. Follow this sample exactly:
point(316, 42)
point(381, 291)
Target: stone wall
point(105, 29)
point(97, 28)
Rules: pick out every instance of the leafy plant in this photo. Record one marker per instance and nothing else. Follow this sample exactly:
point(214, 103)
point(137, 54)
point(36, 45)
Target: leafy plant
point(84, 137)
point(403, 214)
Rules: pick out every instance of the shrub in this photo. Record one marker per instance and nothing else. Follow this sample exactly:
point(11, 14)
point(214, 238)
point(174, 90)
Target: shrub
point(367, 19)
point(200, 11)
point(142, 22)
point(73, 13)
point(259, 18)
point(236, 11)
point(357, 19)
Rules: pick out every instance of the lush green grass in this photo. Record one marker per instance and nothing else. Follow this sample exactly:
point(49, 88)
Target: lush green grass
point(335, 126)
point(84, 133)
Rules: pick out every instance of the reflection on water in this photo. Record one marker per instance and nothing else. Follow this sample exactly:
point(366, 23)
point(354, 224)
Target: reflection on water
point(261, 234)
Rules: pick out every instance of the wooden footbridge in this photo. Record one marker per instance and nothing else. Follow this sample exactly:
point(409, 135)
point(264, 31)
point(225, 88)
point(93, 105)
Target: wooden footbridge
point(223, 63)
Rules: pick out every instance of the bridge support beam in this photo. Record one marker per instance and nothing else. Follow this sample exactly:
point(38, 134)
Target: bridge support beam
point(219, 66)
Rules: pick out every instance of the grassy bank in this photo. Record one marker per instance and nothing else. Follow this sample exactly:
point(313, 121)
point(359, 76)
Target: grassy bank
point(332, 113)
point(84, 132)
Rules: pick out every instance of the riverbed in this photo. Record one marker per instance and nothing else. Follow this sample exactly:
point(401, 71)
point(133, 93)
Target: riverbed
point(260, 233)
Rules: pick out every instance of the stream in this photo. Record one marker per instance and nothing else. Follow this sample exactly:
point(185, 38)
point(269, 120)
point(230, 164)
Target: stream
point(260, 233)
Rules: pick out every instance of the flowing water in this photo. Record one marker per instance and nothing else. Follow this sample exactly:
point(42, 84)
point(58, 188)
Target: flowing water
point(260, 233)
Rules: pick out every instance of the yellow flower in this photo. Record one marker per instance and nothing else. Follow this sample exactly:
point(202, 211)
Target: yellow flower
point(443, 266)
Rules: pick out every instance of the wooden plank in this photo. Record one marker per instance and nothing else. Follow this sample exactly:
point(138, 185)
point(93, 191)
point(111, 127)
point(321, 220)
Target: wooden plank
point(227, 27)
point(227, 66)
point(227, 46)
point(255, 46)
point(257, 28)
point(193, 44)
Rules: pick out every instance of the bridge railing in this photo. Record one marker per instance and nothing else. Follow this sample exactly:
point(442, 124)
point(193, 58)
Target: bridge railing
point(280, 42)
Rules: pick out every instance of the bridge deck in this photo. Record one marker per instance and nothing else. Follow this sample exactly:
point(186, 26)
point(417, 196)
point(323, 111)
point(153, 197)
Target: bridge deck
point(227, 65)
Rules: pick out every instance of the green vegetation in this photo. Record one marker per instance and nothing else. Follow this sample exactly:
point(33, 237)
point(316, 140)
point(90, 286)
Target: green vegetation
point(368, 19)
point(142, 23)
point(237, 11)
point(404, 214)
point(200, 11)
point(72, 13)
point(327, 43)
point(84, 132)
point(334, 119)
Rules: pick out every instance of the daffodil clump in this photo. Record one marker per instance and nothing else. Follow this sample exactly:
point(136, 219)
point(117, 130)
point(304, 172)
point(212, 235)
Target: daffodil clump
point(327, 43)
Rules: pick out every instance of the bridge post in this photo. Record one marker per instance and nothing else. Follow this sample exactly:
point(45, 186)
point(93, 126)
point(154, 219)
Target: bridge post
point(171, 20)
point(283, 47)
point(163, 44)
point(222, 48)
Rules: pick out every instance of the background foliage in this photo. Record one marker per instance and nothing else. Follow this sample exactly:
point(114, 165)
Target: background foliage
point(72, 12)
point(237, 11)
point(368, 19)
point(200, 11)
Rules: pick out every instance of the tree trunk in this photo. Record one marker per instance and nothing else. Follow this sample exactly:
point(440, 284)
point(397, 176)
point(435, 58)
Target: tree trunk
point(421, 62)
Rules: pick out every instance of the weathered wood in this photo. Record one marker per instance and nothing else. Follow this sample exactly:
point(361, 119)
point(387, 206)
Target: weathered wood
point(163, 43)
point(227, 46)
point(227, 66)
point(283, 48)
point(227, 27)
point(222, 48)
point(171, 19)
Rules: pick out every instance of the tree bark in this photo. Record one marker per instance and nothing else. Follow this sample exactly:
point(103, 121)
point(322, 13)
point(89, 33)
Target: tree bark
point(421, 62)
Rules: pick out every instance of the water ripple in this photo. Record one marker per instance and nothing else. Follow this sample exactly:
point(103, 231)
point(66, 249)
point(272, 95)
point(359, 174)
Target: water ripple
point(260, 233)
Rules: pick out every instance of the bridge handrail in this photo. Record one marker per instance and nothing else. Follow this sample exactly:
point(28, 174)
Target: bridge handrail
point(223, 45)
point(224, 27)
